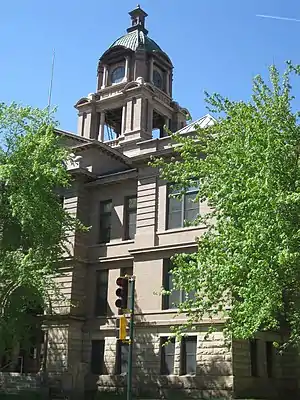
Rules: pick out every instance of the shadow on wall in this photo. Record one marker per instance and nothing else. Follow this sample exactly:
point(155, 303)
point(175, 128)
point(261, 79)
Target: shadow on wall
point(213, 380)
point(110, 211)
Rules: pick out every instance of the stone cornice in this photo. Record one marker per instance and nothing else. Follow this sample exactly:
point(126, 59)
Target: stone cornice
point(113, 178)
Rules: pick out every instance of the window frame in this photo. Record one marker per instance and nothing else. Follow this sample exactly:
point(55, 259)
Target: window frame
point(269, 359)
point(95, 357)
point(163, 355)
point(118, 361)
point(158, 73)
point(182, 200)
point(101, 302)
point(253, 352)
point(127, 211)
point(184, 355)
point(166, 302)
point(114, 71)
point(103, 215)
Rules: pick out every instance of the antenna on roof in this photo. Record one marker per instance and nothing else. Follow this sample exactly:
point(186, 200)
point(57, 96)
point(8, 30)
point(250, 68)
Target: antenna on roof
point(51, 82)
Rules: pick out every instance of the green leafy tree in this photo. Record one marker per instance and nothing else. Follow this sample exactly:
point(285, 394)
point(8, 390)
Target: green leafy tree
point(33, 224)
point(247, 267)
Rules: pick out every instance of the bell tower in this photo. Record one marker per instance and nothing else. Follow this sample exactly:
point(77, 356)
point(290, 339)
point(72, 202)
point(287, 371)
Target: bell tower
point(133, 97)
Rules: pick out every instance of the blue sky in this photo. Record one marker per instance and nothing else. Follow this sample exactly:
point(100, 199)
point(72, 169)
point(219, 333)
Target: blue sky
point(214, 45)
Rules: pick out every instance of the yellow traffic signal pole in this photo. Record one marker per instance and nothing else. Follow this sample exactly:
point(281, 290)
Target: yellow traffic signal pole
point(131, 338)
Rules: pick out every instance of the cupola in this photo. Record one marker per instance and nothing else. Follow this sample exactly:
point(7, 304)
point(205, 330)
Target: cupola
point(133, 100)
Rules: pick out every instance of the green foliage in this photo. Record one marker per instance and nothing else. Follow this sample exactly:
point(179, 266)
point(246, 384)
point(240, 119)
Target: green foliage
point(33, 224)
point(247, 268)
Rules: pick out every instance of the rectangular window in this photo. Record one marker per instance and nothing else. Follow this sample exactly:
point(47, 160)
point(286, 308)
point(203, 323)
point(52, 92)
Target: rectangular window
point(183, 209)
point(105, 221)
point(122, 358)
point(61, 200)
point(130, 217)
point(167, 352)
point(254, 357)
point(269, 358)
point(101, 292)
point(188, 355)
point(97, 357)
point(176, 296)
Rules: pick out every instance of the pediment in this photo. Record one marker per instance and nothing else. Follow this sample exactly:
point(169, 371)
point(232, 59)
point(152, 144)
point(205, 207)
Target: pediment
point(82, 101)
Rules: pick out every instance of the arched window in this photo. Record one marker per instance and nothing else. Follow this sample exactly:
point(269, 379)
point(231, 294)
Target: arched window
point(118, 74)
point(157, 79)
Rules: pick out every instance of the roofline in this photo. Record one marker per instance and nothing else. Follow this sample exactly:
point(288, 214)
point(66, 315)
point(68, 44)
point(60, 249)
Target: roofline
point(72, 135)
point(195, 122)
point(87, 143)
point(106, 149)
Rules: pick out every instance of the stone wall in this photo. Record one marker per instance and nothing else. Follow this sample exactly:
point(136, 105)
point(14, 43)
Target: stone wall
point(213, 378)
point(281, 384)
point(57, 353)
point(13, 382)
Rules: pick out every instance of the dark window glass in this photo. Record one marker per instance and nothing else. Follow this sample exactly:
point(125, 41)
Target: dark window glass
point(269, 358)
point(188, 355)
point(182, 210)
point(105, 221)
point(61, 200)
point(167, 349)
point(101, 292)
point(176, 296)
point(253, 357)
point(122, 358)
point(175, 213)
point(118, 74)
point(157, 79)
point(130, 217)
point(191, 208)
point(97, 356)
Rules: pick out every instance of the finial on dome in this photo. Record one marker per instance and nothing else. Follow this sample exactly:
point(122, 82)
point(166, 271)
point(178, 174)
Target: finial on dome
point(138, 17)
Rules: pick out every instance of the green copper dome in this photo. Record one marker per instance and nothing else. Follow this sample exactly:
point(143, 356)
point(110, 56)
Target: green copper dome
point(135, 39)
point(137, 36)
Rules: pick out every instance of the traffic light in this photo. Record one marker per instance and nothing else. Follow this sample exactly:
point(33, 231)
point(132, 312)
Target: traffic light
point(122, 292)
point(122, 327)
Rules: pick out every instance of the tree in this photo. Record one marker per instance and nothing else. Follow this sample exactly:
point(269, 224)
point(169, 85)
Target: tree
point(247, 267)
point(33, 224)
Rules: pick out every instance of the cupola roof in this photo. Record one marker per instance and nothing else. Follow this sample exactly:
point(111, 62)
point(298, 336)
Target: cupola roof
point(137, 35)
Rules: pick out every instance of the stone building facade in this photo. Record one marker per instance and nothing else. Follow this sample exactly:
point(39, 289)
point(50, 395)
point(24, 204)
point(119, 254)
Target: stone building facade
point(135, 228)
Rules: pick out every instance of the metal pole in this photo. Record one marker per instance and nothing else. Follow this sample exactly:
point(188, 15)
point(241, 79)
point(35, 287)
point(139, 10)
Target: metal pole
point(51, 82)
point(131, 341)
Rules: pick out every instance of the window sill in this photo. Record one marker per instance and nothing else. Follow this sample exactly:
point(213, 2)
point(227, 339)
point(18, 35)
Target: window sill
point(179, 376)
point(183, 229)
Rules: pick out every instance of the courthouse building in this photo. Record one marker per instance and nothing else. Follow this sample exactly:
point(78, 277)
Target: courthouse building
point(134, 229)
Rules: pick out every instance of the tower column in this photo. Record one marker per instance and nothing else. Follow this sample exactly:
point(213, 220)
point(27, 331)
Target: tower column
point(104, 81)
point(168, 83)
point(101, 127)
point(167, 124)
point(126, 69)
point(150, 117)
point(151, 70)
point(123, 125)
